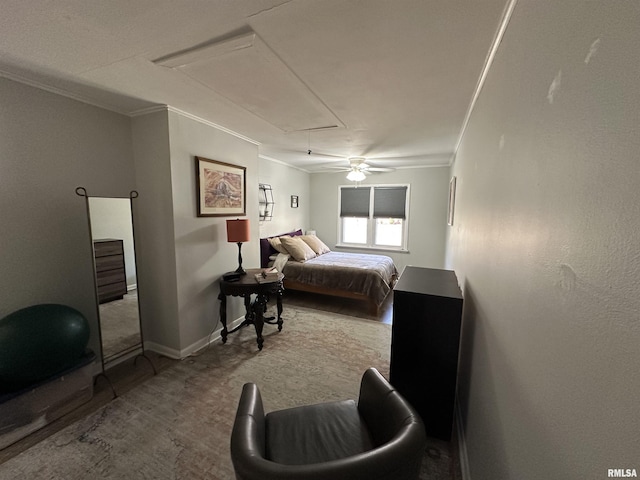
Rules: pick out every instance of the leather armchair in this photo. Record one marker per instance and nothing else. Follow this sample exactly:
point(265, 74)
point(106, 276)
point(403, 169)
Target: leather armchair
point(378, 438)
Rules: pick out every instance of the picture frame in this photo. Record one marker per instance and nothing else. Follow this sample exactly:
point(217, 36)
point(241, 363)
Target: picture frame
point(294, 201)
point(452, 201)
point(221, 188)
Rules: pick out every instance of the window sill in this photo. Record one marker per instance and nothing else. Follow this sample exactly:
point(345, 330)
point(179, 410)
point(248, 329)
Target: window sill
point(373, 249)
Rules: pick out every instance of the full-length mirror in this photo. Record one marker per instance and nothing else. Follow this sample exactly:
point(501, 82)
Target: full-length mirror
point(112, 232)
point(115, 269)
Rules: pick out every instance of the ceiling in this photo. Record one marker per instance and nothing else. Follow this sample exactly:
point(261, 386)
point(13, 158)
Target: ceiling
point(392, 81)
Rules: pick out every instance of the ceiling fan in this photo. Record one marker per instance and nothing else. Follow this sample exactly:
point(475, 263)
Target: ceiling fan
point(358, 169)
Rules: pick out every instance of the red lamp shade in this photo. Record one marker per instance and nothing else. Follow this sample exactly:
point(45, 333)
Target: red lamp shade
point(238, 230)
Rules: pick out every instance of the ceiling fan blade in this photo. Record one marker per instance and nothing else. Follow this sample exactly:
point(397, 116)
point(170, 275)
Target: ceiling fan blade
point(324, 155)
point(337, 169)
point(379, 169)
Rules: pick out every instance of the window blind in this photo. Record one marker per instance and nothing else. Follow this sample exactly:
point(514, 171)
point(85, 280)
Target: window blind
point(389, 202)
point(354, 202)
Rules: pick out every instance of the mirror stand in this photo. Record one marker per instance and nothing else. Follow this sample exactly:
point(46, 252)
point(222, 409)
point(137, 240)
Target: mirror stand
point(102, 261)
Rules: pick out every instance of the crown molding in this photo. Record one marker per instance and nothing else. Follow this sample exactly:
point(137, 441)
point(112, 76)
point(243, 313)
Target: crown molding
point(136, 113)
point(58, 91)
point(504, 22)
point(275, 160)
point(169, 108)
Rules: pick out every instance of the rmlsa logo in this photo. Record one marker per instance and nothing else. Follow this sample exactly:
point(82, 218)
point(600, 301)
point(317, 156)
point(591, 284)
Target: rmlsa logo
point(622, 472)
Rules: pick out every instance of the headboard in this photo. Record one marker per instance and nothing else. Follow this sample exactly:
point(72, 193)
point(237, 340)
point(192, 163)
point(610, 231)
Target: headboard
point(266, 250)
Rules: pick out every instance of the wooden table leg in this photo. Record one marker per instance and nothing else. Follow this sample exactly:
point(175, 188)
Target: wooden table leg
point(258, 317)
point(279, 307)
point(223, 316)
point(248, 316)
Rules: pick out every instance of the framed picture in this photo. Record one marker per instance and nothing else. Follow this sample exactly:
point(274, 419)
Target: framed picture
point(221, 188)
point(452, 200)
point(294, 201)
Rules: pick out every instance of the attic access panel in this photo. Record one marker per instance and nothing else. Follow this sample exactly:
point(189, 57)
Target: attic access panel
point(247, 72)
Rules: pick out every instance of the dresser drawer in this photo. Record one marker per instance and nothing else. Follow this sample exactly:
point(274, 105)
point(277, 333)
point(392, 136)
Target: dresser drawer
point(111, 262)
point(110, 247)
point(112, 276)
point(111, 291)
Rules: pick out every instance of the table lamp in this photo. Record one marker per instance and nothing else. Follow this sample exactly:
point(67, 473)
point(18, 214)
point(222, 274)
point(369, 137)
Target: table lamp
point(238, 232)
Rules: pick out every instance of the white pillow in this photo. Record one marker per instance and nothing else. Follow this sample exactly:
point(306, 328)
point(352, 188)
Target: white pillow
point(297, 248)
point(316, 244)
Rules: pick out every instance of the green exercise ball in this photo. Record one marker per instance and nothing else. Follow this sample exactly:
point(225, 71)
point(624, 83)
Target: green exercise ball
point(38, 342)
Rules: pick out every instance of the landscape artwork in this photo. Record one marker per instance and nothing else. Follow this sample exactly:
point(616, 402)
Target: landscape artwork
point(221, 188)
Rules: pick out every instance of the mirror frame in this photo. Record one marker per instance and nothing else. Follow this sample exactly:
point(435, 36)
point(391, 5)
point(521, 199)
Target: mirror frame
point(81, 191)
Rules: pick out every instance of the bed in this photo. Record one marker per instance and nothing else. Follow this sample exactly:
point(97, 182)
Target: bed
point(317, 269)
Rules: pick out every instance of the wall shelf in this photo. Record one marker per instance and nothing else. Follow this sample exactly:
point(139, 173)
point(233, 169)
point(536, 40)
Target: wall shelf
point(266, 203)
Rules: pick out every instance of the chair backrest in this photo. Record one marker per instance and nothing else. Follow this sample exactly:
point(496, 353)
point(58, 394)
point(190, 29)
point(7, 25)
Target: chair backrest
point(384, 410)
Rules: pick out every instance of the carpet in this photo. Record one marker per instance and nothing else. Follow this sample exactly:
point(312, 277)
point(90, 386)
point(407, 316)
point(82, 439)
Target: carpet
point(177, 425)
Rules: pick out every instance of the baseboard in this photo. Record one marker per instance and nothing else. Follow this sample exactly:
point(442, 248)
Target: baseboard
point(162, 350)
point(462, 444)
point(194, 347)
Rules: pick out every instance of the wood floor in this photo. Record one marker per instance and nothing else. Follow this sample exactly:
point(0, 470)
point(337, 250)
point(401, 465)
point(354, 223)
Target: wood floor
point(128, 374)
point(343, 306)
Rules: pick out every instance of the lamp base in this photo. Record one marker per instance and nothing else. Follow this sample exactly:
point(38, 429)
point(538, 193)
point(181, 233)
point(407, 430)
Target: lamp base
point(240, 270)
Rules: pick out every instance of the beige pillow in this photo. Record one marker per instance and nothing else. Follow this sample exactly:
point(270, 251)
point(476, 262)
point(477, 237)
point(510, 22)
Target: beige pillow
point(316, 244)
point(277, 245)
point(299, 250)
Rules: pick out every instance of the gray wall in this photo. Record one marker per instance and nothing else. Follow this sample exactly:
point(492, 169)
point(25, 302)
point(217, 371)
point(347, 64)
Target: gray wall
point(285, 181)
point(183, 255)
point(154, 232)
point(545, 245)
point(49, 145)
point(201, 249)
point(427, 210)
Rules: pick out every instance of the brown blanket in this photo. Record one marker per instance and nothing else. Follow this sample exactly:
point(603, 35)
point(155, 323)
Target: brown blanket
point(370, 275)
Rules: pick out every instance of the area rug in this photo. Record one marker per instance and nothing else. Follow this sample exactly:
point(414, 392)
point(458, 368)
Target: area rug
point(177, 425)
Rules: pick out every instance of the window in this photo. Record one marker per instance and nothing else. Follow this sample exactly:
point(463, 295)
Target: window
point(374, 216)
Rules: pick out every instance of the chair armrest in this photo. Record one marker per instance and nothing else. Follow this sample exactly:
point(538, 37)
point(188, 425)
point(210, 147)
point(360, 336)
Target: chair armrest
point(248, 434)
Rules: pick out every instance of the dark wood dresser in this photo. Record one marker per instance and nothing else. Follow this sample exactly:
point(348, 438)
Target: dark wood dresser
point(427, 317)
point(110, 272)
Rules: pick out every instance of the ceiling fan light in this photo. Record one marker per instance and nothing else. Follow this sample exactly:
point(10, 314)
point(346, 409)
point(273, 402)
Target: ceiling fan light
point(356, 176)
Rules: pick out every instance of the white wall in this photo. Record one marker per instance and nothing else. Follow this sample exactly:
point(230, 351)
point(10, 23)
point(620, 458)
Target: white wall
point(49, 145)
point(429, 189)
point(285, 181)
point(545, 245)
